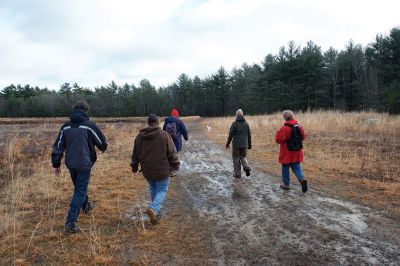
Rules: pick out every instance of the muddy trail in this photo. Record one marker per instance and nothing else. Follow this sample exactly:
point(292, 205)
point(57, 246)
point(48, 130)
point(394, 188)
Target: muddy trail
point(252, 221)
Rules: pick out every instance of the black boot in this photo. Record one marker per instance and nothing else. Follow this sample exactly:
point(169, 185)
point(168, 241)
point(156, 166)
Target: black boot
point(247, 170)
point(304, 186)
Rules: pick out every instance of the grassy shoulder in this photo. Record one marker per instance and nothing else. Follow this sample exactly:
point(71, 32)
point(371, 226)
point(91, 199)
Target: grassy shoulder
point(352, 155)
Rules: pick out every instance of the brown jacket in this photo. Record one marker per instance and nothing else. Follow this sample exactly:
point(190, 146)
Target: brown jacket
point(155, 150)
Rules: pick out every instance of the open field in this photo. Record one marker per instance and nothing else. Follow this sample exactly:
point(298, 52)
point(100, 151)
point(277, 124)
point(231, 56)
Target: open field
point(210, 218)
point(355, 155)
point(34, 203)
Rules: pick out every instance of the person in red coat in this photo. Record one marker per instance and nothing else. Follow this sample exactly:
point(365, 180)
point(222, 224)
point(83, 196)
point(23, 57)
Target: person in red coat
point(290, 158)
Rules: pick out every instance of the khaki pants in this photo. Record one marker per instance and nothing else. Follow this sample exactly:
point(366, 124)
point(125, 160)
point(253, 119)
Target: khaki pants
point(239, 160)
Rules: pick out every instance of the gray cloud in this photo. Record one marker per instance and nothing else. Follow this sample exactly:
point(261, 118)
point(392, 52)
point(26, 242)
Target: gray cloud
point(92, 42)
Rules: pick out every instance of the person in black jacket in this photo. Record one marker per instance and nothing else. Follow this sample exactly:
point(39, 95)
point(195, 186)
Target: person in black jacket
point(79, 138)
point(240, 133)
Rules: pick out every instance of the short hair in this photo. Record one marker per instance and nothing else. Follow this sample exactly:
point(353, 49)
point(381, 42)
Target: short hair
point(82, 105)
point(287, 115)
point(152, 120)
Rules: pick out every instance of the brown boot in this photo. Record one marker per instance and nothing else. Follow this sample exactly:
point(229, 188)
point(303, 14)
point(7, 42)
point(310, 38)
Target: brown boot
point(284, 186)
point(152, 215)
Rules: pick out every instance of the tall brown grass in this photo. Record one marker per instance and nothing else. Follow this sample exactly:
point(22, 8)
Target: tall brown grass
point(34, 203)
point(354, 154)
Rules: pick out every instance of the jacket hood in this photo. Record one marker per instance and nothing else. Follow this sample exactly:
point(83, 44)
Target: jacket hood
point(150, 132)
point(171, 119)
point(240, 118)
point(291, 122)
point(78, 116)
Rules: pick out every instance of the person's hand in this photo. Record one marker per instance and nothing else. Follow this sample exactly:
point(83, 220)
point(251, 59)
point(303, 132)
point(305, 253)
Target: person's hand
point(249, 147)
point(175, 167)
point(227, 147)
point(57, 171)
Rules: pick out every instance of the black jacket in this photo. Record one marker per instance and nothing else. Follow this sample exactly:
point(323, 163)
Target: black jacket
point(240, 133)
point(78, 137)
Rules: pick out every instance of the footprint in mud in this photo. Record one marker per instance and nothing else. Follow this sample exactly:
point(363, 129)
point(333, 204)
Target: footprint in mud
point(240, 191)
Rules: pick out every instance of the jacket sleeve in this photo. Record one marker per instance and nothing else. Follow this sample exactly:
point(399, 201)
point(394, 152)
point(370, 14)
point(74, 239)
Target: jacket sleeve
point(58, 149)
point(249, 135)
point(231, 133)
point(172, 155)
point(164, 126)
point(98, 138)
point(183, 130)
point(280, 136)
point(134, 157)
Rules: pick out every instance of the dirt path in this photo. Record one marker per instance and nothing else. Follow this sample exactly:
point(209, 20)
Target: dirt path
point(252, 221)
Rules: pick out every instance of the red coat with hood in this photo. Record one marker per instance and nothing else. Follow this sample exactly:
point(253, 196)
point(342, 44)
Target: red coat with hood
point(286, 156)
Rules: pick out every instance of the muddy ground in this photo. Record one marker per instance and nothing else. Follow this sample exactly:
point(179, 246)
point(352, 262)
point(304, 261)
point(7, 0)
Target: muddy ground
point(252, 221)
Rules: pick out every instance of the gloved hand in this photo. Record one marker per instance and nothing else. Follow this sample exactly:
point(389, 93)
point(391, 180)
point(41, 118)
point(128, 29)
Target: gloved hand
point(175, 166)
point(227, 146)
point(249, 147)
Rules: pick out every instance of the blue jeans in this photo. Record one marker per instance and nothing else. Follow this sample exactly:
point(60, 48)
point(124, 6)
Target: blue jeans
point(158, 192)
point(80, 179)
point(296, 168)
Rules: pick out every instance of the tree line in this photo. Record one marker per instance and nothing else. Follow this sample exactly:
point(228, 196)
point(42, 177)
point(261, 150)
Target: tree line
point(297, 78)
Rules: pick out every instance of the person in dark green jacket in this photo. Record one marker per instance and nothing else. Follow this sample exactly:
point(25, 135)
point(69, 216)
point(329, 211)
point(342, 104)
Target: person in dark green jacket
point(239, 132)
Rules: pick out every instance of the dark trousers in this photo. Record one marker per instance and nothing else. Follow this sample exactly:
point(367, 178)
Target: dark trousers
point(80, 179)
point(239, 160)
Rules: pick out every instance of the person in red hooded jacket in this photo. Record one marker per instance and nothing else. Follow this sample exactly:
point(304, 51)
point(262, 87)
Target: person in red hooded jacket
point(288, 158)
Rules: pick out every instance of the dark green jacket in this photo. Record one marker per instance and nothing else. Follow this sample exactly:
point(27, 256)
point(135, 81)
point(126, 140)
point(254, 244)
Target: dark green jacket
point(240, 133)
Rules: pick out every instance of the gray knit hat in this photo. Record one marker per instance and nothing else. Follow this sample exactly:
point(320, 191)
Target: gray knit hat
point(239, 113)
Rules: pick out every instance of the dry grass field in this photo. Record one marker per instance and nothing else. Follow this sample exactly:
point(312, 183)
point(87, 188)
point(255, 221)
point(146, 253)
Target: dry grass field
point(33, 203)
point(355, 155)
point(350, 155)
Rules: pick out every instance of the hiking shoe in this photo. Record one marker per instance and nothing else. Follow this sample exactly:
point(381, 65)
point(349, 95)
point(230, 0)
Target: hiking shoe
point(237, 176)
point(284, 186)
point(304, 186)
point(247, 171)
point(71, 229)
point(152, 215)
point(88, 207)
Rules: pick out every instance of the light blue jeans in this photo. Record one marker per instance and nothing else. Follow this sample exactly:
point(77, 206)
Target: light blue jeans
point(296, 168)
point(158, 192)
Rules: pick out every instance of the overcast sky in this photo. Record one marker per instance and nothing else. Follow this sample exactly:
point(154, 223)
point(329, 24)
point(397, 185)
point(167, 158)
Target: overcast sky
point(91, 42)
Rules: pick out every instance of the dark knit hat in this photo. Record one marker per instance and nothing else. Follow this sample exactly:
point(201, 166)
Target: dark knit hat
point(82, 105)
point(152, 120)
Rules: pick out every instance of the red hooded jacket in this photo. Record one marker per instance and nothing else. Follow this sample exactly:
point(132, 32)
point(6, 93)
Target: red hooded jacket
point(286, 156)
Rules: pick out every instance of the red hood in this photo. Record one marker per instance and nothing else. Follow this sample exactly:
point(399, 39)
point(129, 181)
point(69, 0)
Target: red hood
point(291, 122)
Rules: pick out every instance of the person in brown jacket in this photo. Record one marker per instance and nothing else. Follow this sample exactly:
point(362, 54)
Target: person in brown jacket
point(155, 151)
